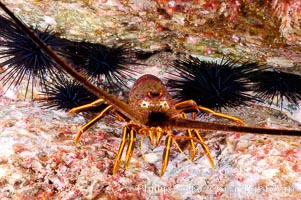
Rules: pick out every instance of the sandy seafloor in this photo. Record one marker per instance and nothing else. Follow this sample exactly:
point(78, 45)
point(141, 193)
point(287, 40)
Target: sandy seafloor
point(38, 159)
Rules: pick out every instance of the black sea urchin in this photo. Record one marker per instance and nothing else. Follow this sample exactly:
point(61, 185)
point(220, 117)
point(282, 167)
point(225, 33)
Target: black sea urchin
point(270, 84)
point(212, 84)
point(23, 57)
point(97, 60)
point(64, 93)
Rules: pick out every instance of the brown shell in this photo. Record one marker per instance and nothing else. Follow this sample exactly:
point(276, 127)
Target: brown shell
point(145, 84)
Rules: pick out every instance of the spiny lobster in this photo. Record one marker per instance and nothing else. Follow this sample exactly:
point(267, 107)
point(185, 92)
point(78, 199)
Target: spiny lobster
point(149, 112)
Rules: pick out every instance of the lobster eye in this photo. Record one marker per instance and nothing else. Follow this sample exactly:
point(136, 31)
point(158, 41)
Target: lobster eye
point(164, 104)
point(144, 104)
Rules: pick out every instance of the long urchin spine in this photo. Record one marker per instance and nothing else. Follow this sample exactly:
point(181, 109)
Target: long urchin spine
point(212, 84)
point(274, 84)
point(97, 60)
point(23, 57)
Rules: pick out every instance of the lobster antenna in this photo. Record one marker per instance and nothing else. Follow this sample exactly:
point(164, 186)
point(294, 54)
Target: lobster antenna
point(100, 93)
point(192, 124)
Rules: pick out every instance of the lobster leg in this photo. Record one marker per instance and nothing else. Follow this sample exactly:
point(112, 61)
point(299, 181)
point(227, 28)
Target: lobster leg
point(191, 106)
point(191, 135)
point(125, 135)
point(192, 151)
point(120, 116)
point(90, 123)
point(205, 148)
point(130, 149)
point(166, 153)
point(96, 103)
point(235, 119)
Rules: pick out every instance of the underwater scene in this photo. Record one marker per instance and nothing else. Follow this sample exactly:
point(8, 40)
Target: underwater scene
point(150, 99)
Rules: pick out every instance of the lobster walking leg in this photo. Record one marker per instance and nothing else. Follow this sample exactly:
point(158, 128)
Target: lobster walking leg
point(96, 103)
point(205, 147)
point(129, 152)
point(90, 123)
point(235, 119)
point(191, 106)
point(192, 134)
point(192, 150)
point(125, 135)
point(168, 142)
